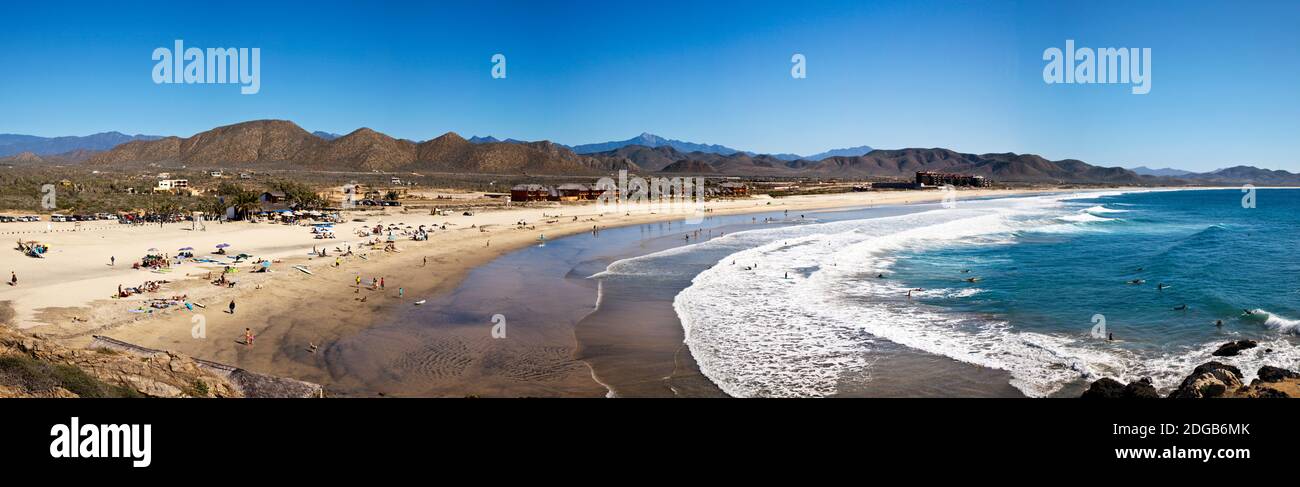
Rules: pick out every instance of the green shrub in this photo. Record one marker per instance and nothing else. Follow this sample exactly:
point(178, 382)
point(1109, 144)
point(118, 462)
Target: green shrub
point(37, 376)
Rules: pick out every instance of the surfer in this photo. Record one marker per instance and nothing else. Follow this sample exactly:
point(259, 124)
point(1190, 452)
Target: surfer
point(972, 279)
point(1218, 323)
point(1161, 286)
point(1137, 281)
point(1247, 312)
point(1181, 307)
point(880, 276)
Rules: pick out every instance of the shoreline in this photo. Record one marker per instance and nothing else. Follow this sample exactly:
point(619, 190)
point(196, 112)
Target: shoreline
point(295, 310)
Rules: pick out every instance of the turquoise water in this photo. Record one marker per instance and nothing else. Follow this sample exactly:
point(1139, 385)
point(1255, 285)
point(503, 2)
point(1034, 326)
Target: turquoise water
point(1215, 257)
point(1011, 284)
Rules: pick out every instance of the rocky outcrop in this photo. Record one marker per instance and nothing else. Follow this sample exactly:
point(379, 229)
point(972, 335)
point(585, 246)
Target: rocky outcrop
point(1107, 388)
point(36, 367)
point(1231, 349)
point(1269, 373)
point(1210, 380)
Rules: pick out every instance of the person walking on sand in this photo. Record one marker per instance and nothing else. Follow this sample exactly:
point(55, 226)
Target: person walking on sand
point(13, 279)
point(358, 280)
point(381, 283)
point(401, 292)
point(426, 261)
point(232, 306)
point(248, 336)
point(112, 260)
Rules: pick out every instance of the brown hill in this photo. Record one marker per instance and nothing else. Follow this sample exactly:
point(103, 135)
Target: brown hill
point(904, 163)
point(649, 158)
point(284, 145)
point(687, 166)
point(365, 149)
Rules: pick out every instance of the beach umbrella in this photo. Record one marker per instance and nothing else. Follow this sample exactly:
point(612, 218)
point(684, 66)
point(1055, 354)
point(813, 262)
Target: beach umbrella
point(266, 263)
point(186, 248)
point(223, 245)
point(152, 249)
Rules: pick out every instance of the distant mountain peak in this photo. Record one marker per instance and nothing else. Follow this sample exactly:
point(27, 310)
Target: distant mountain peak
point(1168, 171)
point(651, 140)
point(11, 144)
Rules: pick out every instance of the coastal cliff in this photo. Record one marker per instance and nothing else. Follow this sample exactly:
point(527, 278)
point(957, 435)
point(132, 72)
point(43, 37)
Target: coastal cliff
point(32, 366)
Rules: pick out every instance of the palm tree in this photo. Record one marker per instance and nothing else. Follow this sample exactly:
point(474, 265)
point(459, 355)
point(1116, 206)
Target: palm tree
point(245, 202)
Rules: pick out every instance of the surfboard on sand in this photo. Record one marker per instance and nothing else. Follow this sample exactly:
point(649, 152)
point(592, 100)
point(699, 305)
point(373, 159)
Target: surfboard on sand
point(417, 303)
point(303, 269)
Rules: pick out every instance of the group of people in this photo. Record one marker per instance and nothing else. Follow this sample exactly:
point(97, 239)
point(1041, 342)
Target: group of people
point(153, 261)
point(147, 287)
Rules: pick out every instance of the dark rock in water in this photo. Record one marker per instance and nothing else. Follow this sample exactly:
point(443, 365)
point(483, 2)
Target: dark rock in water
point(1107, 388)
point(1104, 388)
point(1233, 348)
point(1211, 379)
point(1141, 389)
point(1269, 373)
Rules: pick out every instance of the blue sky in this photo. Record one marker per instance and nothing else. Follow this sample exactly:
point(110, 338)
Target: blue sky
point(961, 75)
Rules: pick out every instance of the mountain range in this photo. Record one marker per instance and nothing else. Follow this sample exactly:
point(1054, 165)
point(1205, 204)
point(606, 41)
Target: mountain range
point(13, 144)
point(1168, 171)
point(284, 145)
point(655, 141)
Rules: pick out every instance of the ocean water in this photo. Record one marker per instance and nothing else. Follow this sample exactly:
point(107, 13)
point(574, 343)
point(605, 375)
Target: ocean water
point(1008, 284)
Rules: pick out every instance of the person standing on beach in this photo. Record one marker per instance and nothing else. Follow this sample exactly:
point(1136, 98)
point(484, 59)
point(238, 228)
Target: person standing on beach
point(248, 336)
point(232, 306)
point(358, 280)
point(381, 283)
point(13, 279)
point(112, 260)
point(401, 292)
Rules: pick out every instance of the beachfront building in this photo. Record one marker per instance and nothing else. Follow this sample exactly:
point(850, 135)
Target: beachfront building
point(575, 192)
point(529, 192)
point(925, 179)
point(172, 185)
point(271, 197)
point(733, 189)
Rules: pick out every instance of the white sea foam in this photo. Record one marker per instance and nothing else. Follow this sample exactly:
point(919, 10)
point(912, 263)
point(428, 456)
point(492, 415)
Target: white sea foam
point(1103, 210)
point(1278, 322)
point(1084, 218)
point(756, 332)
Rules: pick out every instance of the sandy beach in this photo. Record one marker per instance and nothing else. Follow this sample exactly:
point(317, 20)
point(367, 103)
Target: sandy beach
point(298, 317)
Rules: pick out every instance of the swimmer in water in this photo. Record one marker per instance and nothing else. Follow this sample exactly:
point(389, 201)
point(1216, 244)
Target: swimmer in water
point(1180, 307)
point(1218, 323)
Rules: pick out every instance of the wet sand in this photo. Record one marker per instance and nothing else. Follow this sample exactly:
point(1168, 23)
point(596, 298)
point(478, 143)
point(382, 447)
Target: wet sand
point(360, 349)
